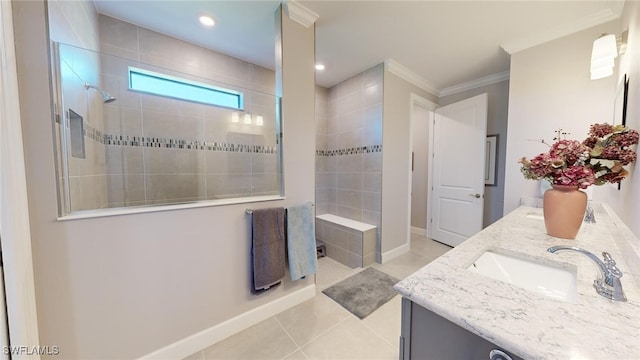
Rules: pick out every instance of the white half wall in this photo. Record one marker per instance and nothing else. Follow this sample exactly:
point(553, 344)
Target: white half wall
point(120, 287)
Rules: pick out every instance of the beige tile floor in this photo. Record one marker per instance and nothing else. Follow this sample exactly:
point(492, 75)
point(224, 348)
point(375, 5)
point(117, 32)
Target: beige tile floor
point(319, 328)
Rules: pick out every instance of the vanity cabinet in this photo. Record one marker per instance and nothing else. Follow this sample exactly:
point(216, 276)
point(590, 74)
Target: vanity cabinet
point(426, 335)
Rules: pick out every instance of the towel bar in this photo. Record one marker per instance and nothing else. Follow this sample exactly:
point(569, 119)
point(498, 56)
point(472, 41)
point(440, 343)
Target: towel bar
point(250, 211)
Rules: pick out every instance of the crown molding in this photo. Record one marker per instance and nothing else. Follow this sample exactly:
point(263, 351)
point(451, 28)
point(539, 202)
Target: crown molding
point(404, 73)
point(616, 7)
point(487, 80)
point(299, 13)
point(427, 104)
point(610, 13)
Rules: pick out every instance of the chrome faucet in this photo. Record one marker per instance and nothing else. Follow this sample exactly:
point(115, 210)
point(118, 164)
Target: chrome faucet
point(608, 282)
point(589, 217)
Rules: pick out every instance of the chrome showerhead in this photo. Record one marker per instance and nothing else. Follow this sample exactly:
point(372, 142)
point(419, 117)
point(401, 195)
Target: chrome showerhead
point(106, 97)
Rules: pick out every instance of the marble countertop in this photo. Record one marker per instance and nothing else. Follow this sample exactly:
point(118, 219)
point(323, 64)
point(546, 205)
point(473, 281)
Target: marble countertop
point(527, 324)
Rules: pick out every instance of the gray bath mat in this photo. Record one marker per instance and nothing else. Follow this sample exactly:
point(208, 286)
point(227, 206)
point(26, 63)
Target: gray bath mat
point(363, 292)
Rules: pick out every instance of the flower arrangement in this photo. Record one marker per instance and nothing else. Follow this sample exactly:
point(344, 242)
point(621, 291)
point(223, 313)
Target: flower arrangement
point(598, 160)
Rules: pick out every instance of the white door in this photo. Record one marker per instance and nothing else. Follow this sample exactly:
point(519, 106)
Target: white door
point(460, 132)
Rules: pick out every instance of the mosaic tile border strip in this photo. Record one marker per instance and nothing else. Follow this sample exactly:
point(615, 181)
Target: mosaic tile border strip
point(169, 143)
point(93, 133)
point(351, 151)
point(88, 131)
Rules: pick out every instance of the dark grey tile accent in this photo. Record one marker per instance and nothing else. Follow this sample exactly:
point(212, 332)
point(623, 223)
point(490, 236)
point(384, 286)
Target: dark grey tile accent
point(351, 151)
point(169, 143)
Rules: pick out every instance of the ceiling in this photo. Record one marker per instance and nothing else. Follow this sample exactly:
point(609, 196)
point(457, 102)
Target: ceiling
point(443, 43)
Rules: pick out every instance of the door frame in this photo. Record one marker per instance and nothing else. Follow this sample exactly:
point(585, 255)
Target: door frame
point(416, 100)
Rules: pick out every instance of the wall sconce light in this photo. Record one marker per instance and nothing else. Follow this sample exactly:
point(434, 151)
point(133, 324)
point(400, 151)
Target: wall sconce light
point(246, 118)
point(605, 50)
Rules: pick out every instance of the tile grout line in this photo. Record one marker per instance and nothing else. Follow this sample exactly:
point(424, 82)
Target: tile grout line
point(202, 355)
point(322, 333)
point(374, 331)
point(289, 335)
point(326, 331)
point(349, 315)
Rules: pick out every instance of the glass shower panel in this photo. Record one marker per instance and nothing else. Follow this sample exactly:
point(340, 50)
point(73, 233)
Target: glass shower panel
point(145, 149)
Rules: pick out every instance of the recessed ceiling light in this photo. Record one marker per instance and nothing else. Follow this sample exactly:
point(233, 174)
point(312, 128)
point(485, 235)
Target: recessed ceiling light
point(319, 67)
point(207, 21)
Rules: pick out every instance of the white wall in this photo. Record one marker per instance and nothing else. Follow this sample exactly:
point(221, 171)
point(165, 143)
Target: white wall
point(18, 303)
point(626, 202)
point(550, 88)
point(396, 160)
point(124, 286)
point(565, 97)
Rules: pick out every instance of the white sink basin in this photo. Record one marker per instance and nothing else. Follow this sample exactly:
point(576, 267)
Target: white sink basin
point(551, 281)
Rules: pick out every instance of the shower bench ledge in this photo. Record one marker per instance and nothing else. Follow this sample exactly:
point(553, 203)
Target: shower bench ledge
point(350, 242)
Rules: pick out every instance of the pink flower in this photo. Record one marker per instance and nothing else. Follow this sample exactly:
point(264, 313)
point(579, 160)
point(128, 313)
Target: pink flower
point(599, 159)
point(625, 156)
point(600, 130)
point(590, 142)
point(626, 139)
point(577, 176)
point(569, 150)
point(615, 178)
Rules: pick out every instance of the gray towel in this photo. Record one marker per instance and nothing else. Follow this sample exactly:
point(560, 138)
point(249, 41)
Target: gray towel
point(268, 248)
point(301, 241)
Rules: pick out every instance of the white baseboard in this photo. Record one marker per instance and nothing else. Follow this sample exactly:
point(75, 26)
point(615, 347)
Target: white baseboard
point(192, 344)
point(419, 231)
point(391, 254)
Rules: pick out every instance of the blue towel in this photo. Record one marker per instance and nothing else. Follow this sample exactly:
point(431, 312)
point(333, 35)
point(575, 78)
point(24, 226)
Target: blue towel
point(301, 241)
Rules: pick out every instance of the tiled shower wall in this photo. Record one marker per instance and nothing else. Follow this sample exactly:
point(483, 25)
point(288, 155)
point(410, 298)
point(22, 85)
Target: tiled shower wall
point(76, 24)
point(164, 150)
point(349, 148)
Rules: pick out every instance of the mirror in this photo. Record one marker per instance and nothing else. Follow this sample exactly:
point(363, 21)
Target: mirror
point(620, 102)
point(148, 119)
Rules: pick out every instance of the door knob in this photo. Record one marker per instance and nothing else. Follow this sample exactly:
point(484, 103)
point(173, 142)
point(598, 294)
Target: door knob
point(477, 196)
